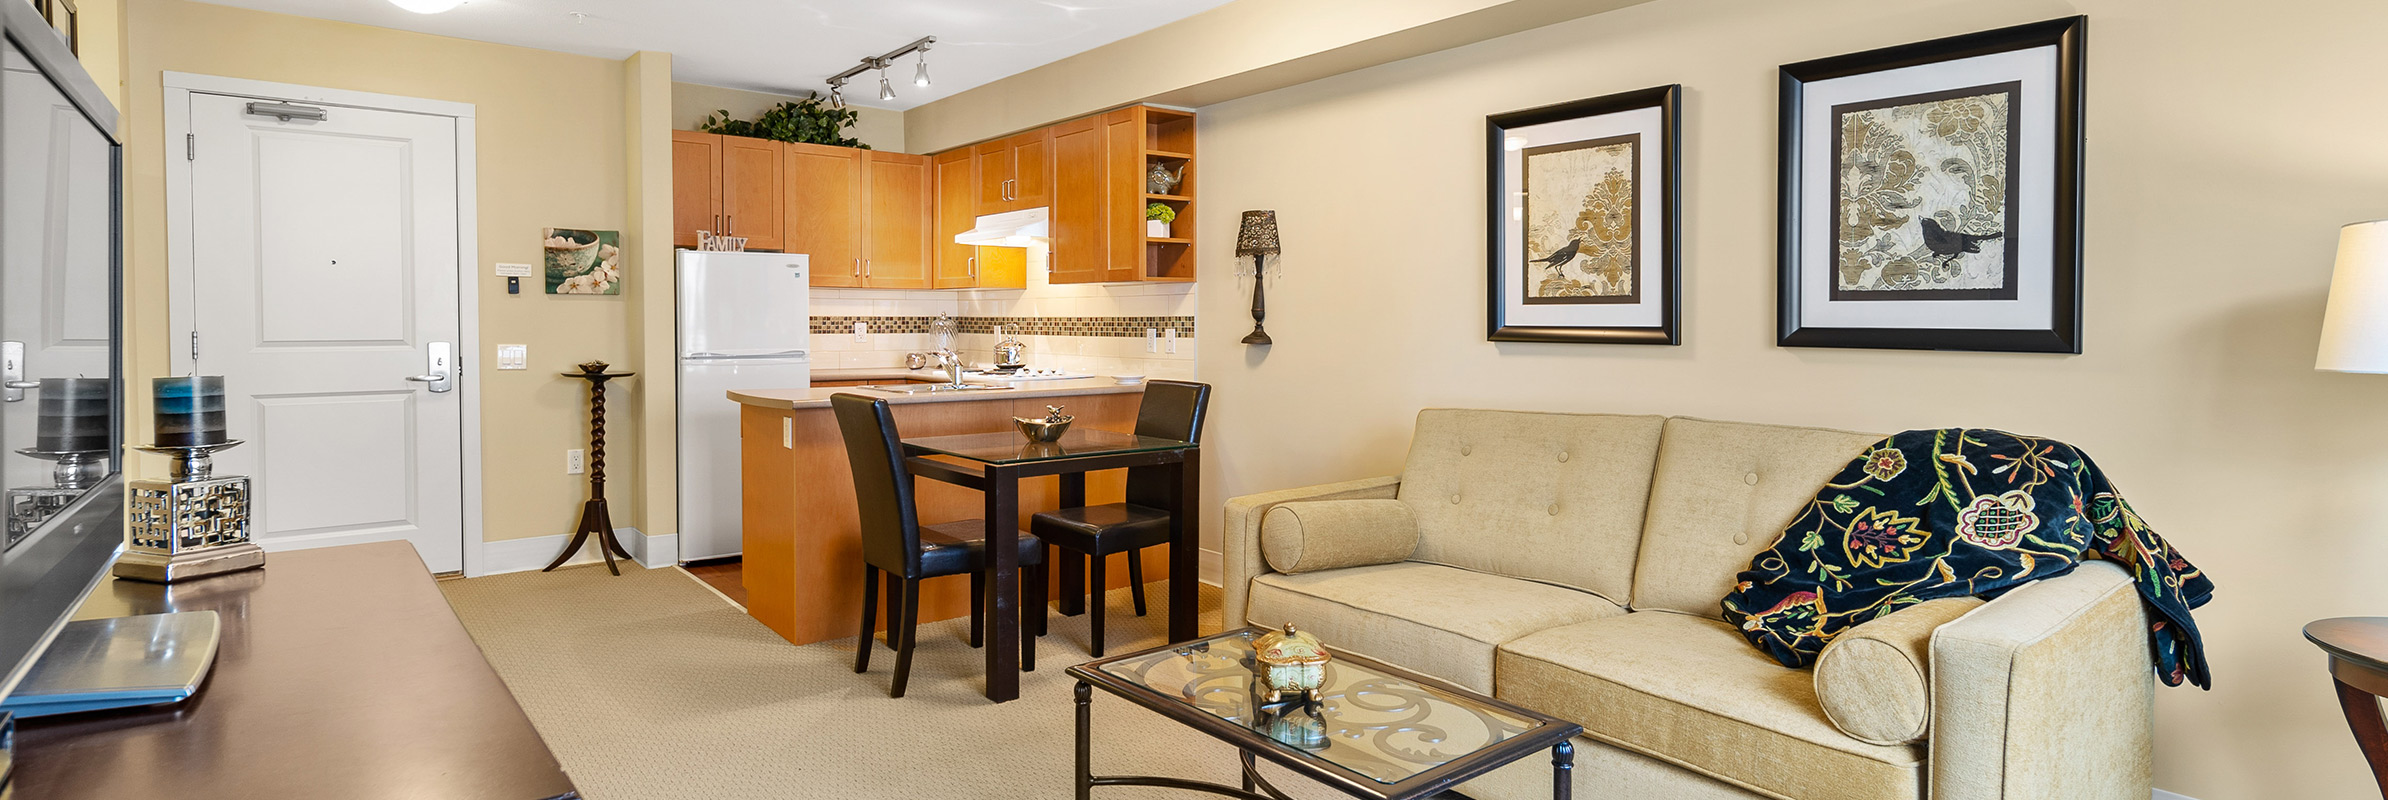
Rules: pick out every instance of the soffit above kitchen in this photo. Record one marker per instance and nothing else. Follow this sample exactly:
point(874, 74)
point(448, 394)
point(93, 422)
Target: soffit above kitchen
point(781, 46)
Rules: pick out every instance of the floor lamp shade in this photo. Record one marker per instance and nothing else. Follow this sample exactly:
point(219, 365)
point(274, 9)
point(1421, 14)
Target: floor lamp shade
point(2355, 326)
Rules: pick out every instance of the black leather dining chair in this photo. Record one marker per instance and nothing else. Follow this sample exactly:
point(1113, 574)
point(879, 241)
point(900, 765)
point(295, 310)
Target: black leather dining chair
point(1171, 410)
point(894, 542)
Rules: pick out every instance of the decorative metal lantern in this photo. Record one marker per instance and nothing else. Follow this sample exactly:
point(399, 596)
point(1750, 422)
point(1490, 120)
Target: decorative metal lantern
point(1292, 664)
point(192, 525)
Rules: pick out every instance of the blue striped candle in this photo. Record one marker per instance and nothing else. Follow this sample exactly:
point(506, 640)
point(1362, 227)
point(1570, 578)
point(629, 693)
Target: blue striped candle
point(190, 410)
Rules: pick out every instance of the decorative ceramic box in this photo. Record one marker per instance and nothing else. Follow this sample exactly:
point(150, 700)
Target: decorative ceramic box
point(1291, 664)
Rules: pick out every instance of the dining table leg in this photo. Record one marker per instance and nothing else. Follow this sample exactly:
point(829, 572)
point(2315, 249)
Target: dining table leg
point(1003, 583)
point(1185, 549)
point(1071, 562)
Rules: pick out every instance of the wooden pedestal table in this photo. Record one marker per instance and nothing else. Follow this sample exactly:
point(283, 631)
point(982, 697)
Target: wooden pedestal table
point(594, 520)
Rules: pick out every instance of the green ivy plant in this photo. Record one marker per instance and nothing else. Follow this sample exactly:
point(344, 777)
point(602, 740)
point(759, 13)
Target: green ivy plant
point(1160, 212)
point(806, 121)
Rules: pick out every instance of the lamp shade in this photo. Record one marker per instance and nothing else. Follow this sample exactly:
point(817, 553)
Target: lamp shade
point(2355, 326)
point(1259, 234)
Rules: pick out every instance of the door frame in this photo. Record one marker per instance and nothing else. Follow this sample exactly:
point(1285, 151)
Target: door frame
point(180, 86)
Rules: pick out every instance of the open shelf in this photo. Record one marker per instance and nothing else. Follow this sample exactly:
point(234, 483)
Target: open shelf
point(1168, 198)
point(1170, 240)
point(1168, 154)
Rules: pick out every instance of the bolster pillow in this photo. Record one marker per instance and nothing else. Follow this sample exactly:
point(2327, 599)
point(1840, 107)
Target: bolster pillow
point(1875, 680)
point(1331, 534)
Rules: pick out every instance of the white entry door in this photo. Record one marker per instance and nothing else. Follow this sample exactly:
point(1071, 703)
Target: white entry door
point(323, 287)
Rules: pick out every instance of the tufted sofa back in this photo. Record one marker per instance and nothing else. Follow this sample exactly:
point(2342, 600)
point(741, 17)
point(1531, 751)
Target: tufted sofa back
point(1549, 497)
point(1722, 492)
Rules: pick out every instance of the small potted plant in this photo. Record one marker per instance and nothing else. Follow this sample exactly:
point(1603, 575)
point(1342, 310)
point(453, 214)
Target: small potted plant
point(1156, 220)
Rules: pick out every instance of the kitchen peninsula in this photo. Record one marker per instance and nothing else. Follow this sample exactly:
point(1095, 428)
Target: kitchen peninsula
point(803, 548)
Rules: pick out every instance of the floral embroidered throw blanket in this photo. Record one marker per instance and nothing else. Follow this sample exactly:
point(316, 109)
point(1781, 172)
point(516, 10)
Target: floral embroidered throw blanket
point(1958, 512)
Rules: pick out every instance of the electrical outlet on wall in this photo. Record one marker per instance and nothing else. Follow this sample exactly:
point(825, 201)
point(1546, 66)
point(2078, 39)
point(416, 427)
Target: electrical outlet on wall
point(574, 462)
point(1172, 340)
point(1150, 337)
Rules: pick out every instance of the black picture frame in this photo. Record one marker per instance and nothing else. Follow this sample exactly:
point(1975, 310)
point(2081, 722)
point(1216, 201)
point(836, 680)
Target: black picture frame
point(1666, 270)
point(2063, 334)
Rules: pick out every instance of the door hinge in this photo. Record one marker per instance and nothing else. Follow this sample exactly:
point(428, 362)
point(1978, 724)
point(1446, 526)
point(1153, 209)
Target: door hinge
point(190, 147)
point(194, 350)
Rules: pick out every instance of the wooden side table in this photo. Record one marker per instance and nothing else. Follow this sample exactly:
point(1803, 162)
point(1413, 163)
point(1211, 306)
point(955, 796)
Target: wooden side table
point(2358, 648)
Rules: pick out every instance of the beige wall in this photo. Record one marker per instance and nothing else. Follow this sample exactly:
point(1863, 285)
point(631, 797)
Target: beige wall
point(2229, 140)
point(647, 161)
point(551, 153)
point(102, 46)
point(878, 127)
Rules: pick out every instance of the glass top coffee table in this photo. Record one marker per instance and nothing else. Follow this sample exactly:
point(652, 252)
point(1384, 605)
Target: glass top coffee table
point(1376, 731)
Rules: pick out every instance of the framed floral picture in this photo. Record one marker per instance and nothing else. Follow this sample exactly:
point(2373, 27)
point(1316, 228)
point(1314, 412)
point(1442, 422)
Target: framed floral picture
point(1582, 220)
point(1931, 194)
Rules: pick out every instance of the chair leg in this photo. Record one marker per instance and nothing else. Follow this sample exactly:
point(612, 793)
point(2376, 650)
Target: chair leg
point(1094, 603)
point(1136, 579)
point(911, 623)
point(978, 607)
point(1044, 615)
point(870, 618)
point(1032, 615)
point(895, 608)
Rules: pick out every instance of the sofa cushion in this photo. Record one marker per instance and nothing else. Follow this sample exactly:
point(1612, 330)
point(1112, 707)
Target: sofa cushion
point(1875, 682)
point(1333, 534)
point(1723, 492)
point(1550, 497)
point(1437, 620)
point(1691, 691)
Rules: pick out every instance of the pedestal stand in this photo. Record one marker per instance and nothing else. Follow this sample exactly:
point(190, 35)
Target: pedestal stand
point(594, 519)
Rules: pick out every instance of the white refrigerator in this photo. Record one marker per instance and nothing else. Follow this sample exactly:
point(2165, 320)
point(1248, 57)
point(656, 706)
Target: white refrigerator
point(745, 323)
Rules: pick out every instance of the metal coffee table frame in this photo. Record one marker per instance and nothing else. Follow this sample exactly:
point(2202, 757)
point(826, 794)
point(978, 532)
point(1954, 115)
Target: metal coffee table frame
point(1548, 732)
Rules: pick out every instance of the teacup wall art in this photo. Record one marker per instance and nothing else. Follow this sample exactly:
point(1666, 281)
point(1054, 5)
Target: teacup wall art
point(583, 262)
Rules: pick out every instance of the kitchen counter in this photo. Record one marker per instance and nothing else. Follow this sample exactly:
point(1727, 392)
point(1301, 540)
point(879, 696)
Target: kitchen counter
point(888, 374)
point(809, 397)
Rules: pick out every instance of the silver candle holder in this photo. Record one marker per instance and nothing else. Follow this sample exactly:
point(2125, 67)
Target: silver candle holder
point(73, 473)
point(191, 525)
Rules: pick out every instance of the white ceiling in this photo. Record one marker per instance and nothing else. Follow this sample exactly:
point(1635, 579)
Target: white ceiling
point(787, 46)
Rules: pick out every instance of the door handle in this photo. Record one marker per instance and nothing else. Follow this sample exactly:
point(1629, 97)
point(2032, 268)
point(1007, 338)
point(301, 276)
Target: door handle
point(12, 372)
point(866, 268)
point(974, 266)
point(441, 367)
point(858, 268)
point(729, 224)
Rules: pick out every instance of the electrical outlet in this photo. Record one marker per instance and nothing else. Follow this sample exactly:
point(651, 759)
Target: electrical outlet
point(1172, 340)
point(787, 432)
point(574, 462)
point(1150, 336)
point(513, 356)
point(862, 331)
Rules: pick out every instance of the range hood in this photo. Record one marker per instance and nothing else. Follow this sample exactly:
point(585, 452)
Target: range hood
point(1008, 229)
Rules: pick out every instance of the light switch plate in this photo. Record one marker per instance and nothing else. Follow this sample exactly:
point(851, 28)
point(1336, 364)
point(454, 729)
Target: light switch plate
point(513, 356)
point(1172, 337)
point(1150, 336)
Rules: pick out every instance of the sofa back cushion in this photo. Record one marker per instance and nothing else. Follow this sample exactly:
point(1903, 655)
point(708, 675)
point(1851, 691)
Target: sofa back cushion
point(1557, 498)
point(1724, 491)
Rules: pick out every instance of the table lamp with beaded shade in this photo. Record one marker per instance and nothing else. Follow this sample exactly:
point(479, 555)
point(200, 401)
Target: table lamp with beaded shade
point(1258, 239)
point(2355, 326)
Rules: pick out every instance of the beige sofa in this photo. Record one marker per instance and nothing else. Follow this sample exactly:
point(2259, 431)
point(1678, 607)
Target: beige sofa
point(1572, 563)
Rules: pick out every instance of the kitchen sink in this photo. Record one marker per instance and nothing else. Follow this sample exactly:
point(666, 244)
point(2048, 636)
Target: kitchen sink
point(933, 388)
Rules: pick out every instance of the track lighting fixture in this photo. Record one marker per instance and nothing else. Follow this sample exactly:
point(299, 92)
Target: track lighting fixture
point(920, 74)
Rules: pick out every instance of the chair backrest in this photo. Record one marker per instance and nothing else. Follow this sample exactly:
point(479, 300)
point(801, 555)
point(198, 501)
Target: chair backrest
point(1171, 410)
point(882, 484)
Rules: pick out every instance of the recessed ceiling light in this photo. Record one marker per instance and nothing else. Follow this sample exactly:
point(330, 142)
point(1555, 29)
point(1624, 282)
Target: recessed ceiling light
point(427, 6)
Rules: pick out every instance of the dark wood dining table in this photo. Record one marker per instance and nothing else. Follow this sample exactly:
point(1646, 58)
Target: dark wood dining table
point(995, 463)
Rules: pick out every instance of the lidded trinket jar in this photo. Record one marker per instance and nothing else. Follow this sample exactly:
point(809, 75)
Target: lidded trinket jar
point(1292, 663)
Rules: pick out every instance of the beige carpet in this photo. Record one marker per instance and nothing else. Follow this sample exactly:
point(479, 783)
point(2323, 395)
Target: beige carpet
point(650, 685)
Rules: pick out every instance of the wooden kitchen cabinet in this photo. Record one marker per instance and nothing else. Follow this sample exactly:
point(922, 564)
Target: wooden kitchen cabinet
point(1015, 172)
point(1099, 197)
point(730, 185)
point(1081, 213)
point(863, 215)
point(955, 188)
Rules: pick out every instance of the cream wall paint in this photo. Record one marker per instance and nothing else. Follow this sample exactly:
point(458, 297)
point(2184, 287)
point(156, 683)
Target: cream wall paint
point(102, 47)
point(551, 153)
point(647, 132)
point(2224, 153)
point(880, 128)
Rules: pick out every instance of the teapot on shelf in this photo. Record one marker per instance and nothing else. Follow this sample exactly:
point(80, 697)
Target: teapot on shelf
point(1159, 180)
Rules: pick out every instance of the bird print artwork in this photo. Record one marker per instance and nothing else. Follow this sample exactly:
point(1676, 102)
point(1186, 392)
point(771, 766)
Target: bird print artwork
point(1558, 260)
point(1948, 244)
point(1581, 226)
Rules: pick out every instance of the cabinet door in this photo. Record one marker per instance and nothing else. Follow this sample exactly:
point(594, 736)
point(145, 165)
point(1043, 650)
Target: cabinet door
point(823, 211)
point(955, 185)
point(696, 186)
point(1078, 217)
point(1032, 168)
point(994, 176)
point(896, 220)
point(1123, 194)
point(752, 190)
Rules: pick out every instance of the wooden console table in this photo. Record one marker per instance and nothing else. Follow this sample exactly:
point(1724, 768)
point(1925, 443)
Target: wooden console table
point(342, 673)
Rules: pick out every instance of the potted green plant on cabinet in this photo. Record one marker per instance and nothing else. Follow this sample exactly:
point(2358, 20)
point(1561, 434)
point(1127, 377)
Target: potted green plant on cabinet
point(1157, 218)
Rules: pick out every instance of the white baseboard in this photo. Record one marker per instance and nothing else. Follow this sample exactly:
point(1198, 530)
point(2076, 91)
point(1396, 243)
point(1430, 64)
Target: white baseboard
point(1211, 566)
point(524, 555)
point(2164, 795)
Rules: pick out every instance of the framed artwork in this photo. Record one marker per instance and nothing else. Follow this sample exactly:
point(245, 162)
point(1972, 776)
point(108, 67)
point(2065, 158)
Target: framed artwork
point(583, 262)
point(1582, 210)
point(1931, 195)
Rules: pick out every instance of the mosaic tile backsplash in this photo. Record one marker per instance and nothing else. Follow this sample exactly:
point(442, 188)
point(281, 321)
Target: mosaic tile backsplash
point(1132, 327)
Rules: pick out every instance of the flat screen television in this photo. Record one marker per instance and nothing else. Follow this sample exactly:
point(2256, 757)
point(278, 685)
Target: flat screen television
point(61, 337)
